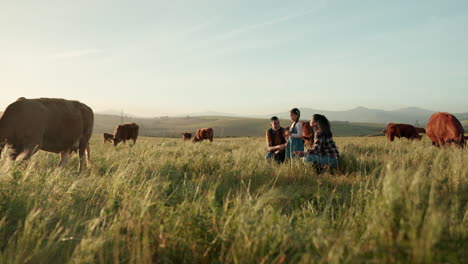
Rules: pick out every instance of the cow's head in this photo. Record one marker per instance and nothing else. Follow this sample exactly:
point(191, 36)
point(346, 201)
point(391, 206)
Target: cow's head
point(116, 141)
point(186, 136)
point(420, 130)
point(384, 131)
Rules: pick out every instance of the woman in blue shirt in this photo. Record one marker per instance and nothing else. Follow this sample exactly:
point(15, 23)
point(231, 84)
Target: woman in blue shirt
point(295, 142)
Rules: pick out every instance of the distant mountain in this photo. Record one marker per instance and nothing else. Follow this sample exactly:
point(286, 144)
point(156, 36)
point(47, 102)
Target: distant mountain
point(409, 115)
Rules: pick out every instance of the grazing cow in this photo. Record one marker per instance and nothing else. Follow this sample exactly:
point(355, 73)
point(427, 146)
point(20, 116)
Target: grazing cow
point(125, 132)
point(53, 125)
point(186, 136)
point(401, 130)
point(107, 137)
point(444, 128)
point(202, 134)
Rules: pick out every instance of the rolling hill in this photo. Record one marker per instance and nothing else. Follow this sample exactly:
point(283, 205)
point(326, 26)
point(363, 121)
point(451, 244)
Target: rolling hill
point(230, 126)
point(223, 126)
point(409, 115)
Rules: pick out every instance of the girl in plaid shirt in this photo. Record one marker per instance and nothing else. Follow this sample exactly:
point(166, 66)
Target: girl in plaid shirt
point(324, 150)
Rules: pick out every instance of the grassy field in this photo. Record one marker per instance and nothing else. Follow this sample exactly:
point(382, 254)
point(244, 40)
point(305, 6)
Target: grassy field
point(168, 201)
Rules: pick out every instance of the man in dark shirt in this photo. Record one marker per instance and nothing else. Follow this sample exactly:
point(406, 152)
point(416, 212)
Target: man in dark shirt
point(275, 141)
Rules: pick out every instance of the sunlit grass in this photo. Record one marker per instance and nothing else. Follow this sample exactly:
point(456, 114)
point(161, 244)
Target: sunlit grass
point(164, 200)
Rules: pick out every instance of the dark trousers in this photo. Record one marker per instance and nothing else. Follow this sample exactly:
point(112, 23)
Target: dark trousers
point(276, 157)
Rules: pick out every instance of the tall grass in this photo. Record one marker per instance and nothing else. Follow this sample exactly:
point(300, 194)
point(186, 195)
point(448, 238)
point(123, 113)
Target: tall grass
point(168, 201)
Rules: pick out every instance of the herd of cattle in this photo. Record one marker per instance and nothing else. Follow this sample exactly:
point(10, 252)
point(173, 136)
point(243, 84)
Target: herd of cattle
point(201, 134)
point(442, 129)
point(63, 126)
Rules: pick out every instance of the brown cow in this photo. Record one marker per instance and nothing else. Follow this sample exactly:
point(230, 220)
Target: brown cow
point(444, 128)
point(420, 130)
point(53, 125)
point(125, 132)
point(401, 130)
point(307, 134)
point(186, 136)
point(107, 137)
point(202, 134)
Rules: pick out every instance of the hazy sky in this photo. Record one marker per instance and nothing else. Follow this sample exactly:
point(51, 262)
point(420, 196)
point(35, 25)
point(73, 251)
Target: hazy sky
point(242, 56)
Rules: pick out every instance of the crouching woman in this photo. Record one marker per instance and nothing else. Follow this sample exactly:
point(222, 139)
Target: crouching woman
point(324, 150)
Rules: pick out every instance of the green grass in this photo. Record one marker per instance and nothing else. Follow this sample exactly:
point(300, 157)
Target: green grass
point(168, 201)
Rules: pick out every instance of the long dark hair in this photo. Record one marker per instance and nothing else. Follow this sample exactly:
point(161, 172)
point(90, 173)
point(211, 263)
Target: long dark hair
point(323, 124)
point(296, 112)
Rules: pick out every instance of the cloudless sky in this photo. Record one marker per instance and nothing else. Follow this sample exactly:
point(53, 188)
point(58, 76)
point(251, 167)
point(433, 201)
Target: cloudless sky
point(247, 57)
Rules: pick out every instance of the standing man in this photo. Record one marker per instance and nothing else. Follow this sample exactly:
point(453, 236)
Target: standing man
point(275, 141)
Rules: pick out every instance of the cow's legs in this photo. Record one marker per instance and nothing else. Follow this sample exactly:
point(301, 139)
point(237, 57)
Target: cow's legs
point(88, 155)
point(64, 156)
point(81, 155)
point(82, 148)
point(27, 152)
point(441, 143)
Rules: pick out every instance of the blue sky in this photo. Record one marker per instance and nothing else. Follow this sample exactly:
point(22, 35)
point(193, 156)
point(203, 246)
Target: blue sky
point(247, 57)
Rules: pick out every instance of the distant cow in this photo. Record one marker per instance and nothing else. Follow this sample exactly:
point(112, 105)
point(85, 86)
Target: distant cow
point(186, 136)
point(107, 137)
point(202, 134)
point(444, 128)
point(125, 132)
point(53, 125)
point(401, 130)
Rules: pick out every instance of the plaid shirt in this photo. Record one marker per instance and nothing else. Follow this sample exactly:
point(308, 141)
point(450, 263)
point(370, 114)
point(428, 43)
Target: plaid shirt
point(322, 146)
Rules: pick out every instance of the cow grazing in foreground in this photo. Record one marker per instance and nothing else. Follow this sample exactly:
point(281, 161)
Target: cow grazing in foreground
point(186, 136)
point(202, 134)
point(106, 137)
point(53, 125)
point(401, 131)
point(444, 128)
point(307, 133)
point(125, 132)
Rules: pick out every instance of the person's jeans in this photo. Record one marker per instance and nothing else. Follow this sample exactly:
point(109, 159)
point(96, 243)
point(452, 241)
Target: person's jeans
point(324, 160)
point(294, 144)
